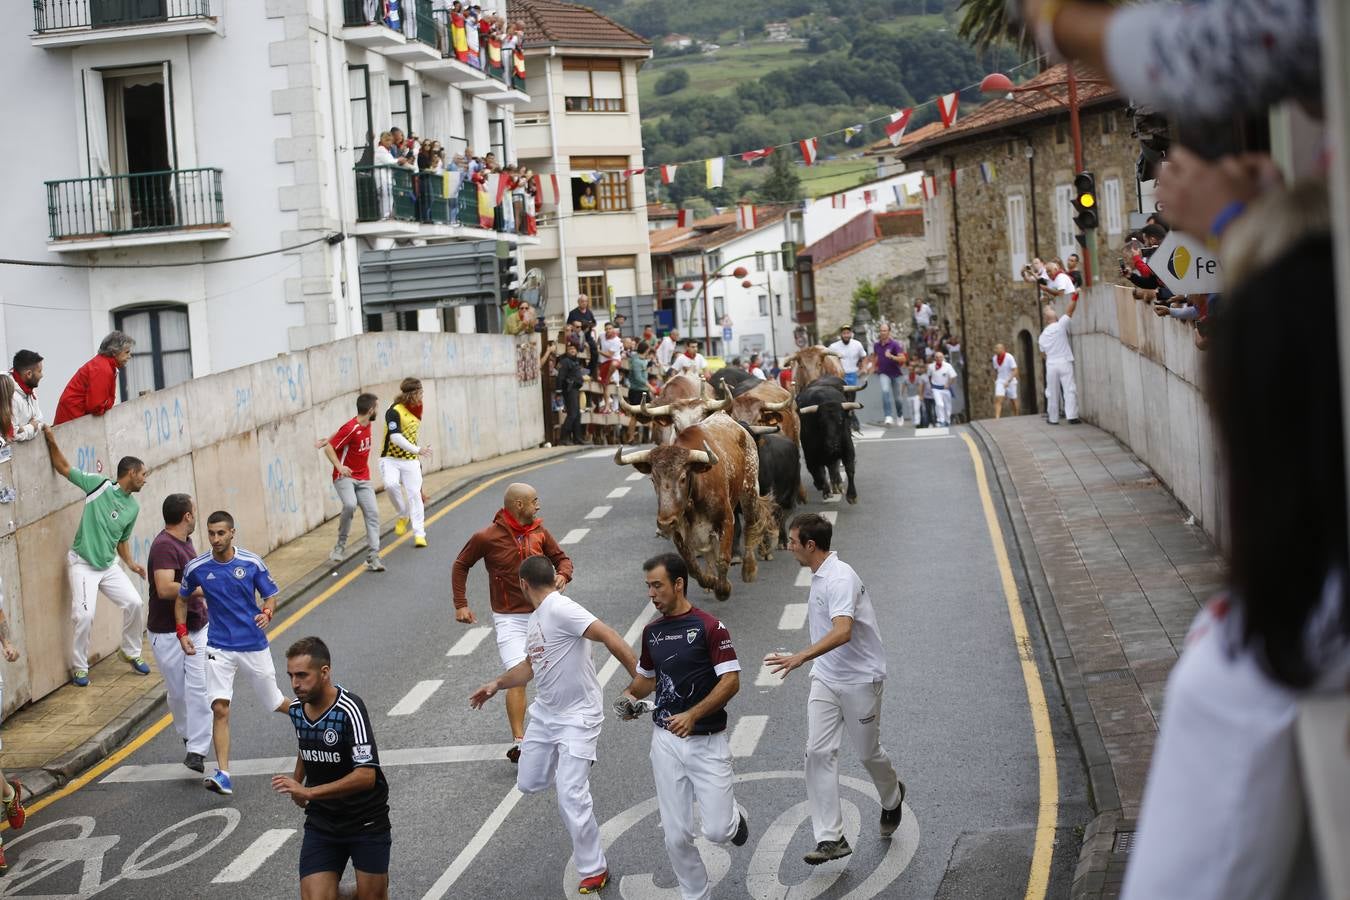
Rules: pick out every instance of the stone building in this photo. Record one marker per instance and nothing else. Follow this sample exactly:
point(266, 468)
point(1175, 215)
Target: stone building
point(998, 189)
point(874, 247)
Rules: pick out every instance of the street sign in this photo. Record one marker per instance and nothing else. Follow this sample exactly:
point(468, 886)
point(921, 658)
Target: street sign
point(1186, 265)
point(726, 336)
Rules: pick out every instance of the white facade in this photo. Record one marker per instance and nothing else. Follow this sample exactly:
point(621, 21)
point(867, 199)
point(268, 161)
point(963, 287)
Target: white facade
point(263, 92)
point(826, 214)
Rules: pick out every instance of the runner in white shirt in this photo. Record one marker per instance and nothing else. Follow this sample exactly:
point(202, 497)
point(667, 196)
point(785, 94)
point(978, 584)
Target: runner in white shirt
point(1054, 343)
point(923, 315)
point(566, 715)
point(941, 375)
point(1005, 379)
point(690, 360)
point(850, 353)
point(846, 688)
point(665, 351)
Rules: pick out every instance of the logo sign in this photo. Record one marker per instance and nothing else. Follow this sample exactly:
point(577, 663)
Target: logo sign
point(1186, 265)
point(691, 635)
point(330, 737)
point(726, 336)
point(239, 572)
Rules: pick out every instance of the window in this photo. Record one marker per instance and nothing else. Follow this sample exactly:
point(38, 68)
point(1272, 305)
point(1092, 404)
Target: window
point(162, 356)
point(1111, 207)
point(1017, 233)
point(363, 128)
point(1064, 227)
point(773, 262)
point(593, 85)
point(759, 262)
point(497, 138)
point(719, 309)
point(610, 190)
point(778, 303)
point(763, 304)
point(400, 106)
point(1109, 124)
point(1061, 132)
point(593, 286)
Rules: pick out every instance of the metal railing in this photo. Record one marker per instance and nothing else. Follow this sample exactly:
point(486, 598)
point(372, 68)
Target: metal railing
point(132, 204)
point(52, 15)
point(398, 194)
point(416, 20)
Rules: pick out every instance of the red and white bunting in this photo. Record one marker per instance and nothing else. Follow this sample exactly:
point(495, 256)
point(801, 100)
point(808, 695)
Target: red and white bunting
point(930, 186)
point(668, 174)
point(746, 217)
point(810, 150)
point(947, 104)
point(750, 156)
point(955, 177)
point(895, 128)
point(713, 169)
point(629, 173)
point(682, 218)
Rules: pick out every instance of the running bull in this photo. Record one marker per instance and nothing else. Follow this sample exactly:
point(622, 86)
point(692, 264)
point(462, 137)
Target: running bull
point(827, 441)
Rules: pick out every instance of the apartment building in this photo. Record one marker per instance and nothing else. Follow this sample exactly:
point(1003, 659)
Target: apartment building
point(175, 146)
point(581, 117)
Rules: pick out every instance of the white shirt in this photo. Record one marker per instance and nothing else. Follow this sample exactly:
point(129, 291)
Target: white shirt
point(566, 688)
point(836, 590)
point(1005, 373)
point(682, 362)
point(1062, 282)
point(941, 377)
point(757, 372)
point(25, 409)
point(665, 351)
point(850, 354)
point(1054, 341)
point(611, 346)
point(923, 315)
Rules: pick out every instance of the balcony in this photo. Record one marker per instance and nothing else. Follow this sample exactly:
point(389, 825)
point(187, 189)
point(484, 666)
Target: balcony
point(413, 41)
point(394, 201)
point(136, 210)
point(502, 86)
point(71, 23)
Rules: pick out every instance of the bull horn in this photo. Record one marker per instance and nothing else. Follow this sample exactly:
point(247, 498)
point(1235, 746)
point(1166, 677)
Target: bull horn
point(835, 353)
point(854, 388)
point(629, 408)
point(654, 411)
point(712, 457)
point(776, 407)
point(807, 410)
point(852, 405)
point(713, 406)
point(763, 429)
point(632, 458)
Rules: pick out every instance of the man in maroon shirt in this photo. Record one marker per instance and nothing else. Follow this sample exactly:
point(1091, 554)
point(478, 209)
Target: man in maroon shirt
point(92, 390)
point(349, 452)
point(177, 629)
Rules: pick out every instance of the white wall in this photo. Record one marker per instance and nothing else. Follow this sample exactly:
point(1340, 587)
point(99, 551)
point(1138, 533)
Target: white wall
point(822, 218)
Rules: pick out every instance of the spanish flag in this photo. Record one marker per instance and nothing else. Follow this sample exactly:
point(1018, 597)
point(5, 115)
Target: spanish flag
point(458, 38)
point(518, 63)
point(495, 55)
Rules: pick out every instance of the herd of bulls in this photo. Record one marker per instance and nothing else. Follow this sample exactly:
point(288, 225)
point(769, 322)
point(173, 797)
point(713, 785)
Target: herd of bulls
point(727, 462)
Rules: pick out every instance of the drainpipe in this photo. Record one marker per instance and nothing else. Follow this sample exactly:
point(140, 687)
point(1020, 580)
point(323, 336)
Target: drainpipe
point(553, 148)
point(358, 326)
point(960, 290)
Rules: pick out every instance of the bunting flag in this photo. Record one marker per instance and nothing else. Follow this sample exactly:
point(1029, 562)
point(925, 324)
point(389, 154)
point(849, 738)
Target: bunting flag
point(810, 150)
point(987, 172)
point(713, 169)
point(591, 177)
point(668, 174)
point(629, 173)
point(899, 197)
point(930, 187)
point(947, 104)
point(750, 156)
point(895, 128)
point(682, 218)
point(746, 217)
point(955, 177)
point(852, 130)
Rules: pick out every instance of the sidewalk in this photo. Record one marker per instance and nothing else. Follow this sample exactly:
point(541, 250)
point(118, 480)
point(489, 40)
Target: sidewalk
point(49, 742)
point(1117, 575)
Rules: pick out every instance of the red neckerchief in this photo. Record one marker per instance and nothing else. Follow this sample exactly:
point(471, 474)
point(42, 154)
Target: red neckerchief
point(912, 379)
point(691, 355)
point(1000, 358)
point(415, 410)
point(518, 531)
point(23, 386)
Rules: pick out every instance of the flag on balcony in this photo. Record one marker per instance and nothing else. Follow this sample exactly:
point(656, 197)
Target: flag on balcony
point(502, 186)
point(494, 55)
point(929, 185)
point(458, 37)
point(750, 156)
point(895, 128)
point(746, 217)
point(486, 208)
point(682, 218)
point(810, 150)
point(899, 196)
point(668, 174)
point(947, 104)
point(987, 172)
point(713, 169)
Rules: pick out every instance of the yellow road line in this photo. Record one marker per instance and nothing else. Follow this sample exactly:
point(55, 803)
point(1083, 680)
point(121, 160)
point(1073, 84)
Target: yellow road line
point(1043, 849)
point(164, 721)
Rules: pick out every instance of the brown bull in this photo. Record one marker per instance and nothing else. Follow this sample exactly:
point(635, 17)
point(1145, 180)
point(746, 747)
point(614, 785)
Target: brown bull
point(768, 404)
point(684, 403)
point(702, 478)
point(810, 363)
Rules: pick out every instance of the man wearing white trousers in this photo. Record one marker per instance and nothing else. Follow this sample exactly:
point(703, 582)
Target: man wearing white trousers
point(688, 659)
point(1054, 343)
point(177, 627)
point(565, 718)
point(104, 535)
point(941, 376)
point(1005, 379)
point(846, 688)
point(401, 460)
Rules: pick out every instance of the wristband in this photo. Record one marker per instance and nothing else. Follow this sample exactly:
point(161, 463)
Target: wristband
point(181, 629)
point(267, 612)
point(1226, 217)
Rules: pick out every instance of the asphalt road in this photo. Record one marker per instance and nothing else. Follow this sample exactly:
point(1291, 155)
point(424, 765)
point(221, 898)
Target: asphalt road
point(956, 722)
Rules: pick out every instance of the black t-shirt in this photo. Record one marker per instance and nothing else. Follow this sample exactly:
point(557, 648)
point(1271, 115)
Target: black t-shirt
point(333, 747)
point(687, 655)
point(587, 318)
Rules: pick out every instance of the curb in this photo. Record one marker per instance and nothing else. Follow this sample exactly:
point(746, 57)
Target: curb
point(59, 772)
point(1096, 852)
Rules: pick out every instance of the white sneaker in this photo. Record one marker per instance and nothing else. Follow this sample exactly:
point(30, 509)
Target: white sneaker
point(890, 420)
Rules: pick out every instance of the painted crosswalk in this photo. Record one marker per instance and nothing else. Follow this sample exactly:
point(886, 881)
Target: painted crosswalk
point(793, 615)
point(803, 577)
point(257, 853)
point(746, 734)
point(413, 700)
point(469, 641)
point(599, 512)
point(574, 536)
point(618, 492)
point(269, 766)
point(635, 476)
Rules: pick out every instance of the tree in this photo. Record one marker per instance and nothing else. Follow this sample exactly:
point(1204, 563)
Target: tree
point(781, 184)
point(672, 81)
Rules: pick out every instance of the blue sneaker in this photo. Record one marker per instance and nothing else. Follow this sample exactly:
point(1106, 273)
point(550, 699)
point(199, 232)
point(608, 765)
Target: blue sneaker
point(138, 665)
point(219, 782)
point(81, 678)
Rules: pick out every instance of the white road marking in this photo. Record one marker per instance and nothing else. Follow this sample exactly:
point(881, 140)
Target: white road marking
point(793, 616)
point(803, 577)
point(869, 433)
point(257, 853)
point(574, 536)
point(942, 431)
point(745, 736)
point(602, 453)
point(413, 700)
point(469, 641)
point(599, 512)
point(830, 515)
point(767, 677)
point(417, 756)
point(617, 493)
point(636, 476)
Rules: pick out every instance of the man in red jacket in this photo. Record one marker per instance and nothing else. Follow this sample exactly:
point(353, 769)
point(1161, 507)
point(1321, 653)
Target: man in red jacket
point(516, 534)
point(92, 390)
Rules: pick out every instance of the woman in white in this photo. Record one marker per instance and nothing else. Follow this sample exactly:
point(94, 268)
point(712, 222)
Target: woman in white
point(384, 173)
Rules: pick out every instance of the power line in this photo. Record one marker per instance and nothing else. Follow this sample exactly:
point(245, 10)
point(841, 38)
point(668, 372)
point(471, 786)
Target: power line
point(46, 263)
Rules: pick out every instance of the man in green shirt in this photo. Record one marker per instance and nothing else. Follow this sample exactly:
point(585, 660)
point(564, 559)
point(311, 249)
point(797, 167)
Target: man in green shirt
point(637, 383)
point(105, 531)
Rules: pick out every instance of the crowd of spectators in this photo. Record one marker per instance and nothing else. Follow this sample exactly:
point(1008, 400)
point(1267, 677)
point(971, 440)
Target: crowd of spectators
point(462, 31)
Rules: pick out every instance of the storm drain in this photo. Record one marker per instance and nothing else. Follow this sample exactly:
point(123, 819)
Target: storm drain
point(1123, 842)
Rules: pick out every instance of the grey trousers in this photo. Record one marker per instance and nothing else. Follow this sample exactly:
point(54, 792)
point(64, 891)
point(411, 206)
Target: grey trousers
point(353, 493)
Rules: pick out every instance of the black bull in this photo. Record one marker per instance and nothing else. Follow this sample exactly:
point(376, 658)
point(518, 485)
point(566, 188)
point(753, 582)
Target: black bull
point(827, 441)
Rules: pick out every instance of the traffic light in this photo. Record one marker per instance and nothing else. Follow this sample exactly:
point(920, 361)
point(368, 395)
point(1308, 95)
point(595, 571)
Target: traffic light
point(508, 273)
point(1085, 201)
point(789, 251)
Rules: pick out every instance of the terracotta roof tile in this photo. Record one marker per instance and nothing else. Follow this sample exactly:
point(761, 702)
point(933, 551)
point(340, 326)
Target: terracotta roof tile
point(710, 232)
point(553, 23)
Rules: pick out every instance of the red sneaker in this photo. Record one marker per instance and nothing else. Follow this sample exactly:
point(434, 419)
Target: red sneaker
point(594, 884)
point(14, 811)
point(4, 866)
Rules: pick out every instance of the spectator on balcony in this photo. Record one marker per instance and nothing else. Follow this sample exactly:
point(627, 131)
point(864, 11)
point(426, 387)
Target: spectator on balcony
point(588, 199)
point(92, 390)
point(1061, 285)
point(459, 41)
point(393, 14)
point(1071, 268)
point(472, 35)
point(26, 374)
point(384, 160)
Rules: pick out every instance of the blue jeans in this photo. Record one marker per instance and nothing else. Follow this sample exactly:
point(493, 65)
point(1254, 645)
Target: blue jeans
point(851, 377)
point(890, 395)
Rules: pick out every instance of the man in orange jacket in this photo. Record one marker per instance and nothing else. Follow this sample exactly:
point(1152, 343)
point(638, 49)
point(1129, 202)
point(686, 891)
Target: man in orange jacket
point(516, 534)
point(92, 390)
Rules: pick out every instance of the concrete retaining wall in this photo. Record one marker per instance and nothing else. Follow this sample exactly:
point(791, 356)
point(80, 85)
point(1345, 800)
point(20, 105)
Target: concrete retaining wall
point(242, 440)
point(1139, 377)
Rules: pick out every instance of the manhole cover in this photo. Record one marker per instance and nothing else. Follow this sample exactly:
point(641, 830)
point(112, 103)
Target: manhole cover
point(1123, 842)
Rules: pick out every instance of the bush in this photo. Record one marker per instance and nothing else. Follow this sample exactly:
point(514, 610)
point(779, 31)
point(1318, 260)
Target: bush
point(672, 81)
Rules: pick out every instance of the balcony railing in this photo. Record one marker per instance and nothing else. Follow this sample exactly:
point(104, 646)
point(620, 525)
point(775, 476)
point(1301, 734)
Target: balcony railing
point(134, 204)
point(398, 194)
point(445, 43)
point(52, 15)
point(417, 21)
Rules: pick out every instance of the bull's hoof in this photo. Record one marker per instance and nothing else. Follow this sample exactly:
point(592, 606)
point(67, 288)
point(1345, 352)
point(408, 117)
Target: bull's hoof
point(735, 560)
point(852, 498)
point(767, 556)
point(722, 592)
